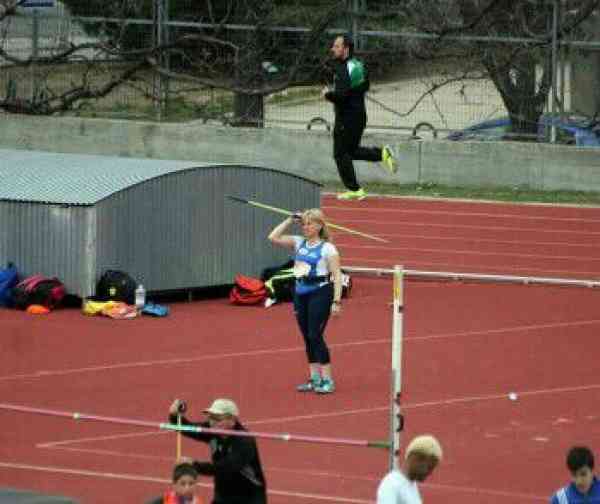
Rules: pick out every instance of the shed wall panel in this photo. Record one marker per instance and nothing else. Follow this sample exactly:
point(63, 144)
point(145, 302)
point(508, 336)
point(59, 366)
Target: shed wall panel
point(48, 239)
point(180, 230)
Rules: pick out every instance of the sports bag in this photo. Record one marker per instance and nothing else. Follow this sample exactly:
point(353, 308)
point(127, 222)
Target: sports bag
point(116, 286)
point(9, 278)
point(39, 290)
point(247, 291)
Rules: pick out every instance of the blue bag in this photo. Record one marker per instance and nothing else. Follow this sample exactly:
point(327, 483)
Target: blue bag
point(9, 278)
point(155, 310)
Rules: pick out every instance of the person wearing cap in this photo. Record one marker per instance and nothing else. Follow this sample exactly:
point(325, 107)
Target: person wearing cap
point(422, 456)
point(235, 462)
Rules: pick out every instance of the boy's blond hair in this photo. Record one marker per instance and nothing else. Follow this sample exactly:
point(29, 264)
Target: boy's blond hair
point(425, 445)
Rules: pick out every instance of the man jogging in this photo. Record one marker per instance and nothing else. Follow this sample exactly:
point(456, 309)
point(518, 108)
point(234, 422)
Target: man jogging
point(350, 83)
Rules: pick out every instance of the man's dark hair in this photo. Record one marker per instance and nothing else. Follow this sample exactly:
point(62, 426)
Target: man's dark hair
point(578, 457)
point(184, 469)
point(348, 42)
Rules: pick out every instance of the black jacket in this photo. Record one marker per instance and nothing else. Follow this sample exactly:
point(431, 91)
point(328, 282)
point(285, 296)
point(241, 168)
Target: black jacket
point(350, 83)
point(235, 465)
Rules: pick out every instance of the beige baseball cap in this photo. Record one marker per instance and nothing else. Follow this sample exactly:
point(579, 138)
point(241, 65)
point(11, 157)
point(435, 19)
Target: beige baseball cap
point(223, 407)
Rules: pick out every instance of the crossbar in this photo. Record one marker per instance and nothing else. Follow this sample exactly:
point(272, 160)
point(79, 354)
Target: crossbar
point(74, 415)
point(444, 275)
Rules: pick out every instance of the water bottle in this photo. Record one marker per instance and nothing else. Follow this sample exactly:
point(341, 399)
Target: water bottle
point(140, 298)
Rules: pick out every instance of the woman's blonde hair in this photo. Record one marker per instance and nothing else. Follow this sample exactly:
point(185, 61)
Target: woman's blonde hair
point(316, 215)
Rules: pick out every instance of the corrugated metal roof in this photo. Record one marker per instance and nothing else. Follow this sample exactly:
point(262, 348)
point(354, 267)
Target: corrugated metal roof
point(76, 179)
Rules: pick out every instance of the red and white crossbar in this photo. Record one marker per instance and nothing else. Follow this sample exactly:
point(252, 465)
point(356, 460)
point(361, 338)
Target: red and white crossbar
point(445, 275)
point(73, 415)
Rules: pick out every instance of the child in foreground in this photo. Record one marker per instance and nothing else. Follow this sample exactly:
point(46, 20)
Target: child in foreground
point(584, 486)
point(183, 489)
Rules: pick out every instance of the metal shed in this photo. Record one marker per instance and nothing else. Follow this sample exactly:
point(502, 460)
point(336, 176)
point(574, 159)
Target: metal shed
point(167, 223)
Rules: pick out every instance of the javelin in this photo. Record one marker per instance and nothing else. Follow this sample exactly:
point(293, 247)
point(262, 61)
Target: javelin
point(288, 213)
point(195, 428)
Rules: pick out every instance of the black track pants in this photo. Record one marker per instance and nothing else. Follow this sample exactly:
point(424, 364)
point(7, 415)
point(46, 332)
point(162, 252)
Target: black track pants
point(346, 148)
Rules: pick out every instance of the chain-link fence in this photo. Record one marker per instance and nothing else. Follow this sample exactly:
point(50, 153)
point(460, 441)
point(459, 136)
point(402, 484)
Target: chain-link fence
point(472, 83)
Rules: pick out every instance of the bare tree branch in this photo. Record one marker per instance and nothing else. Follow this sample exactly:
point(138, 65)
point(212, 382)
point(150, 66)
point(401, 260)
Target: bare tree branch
point(65, 101)
point(8, 7)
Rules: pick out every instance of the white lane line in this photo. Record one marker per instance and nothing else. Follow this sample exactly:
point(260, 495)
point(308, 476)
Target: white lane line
point(166, 362)
point(373, 409)
point(453, 226)
point(475, 490)
point(474, 253)
point(52, 444)
point(484, 332)
point(495, 241)
point(255, 353)
point(298, 495)
point(448, 212)
point(83, 472)
point(107, 453)
point(150, 479)
point(439, 402)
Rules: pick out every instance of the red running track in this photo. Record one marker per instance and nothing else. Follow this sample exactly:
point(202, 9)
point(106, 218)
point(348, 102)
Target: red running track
point(466, 347)
point(534, 240)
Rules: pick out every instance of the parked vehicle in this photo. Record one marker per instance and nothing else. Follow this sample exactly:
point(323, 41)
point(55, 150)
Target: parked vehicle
point(571, 130)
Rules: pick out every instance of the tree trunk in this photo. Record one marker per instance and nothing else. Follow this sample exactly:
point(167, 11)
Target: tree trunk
point(523, 92)
point(248, 110)
point(249, 74)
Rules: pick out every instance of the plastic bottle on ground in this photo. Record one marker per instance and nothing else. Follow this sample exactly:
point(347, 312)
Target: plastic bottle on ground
point(140, 298)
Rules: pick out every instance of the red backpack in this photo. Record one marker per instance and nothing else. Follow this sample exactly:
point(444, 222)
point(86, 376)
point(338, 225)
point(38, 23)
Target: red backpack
point(247, 291)
point(38, 289)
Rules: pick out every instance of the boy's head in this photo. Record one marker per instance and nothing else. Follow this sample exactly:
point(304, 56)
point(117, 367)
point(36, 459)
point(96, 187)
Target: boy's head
point(185, 477)
point(580, 461)
point(422, 456)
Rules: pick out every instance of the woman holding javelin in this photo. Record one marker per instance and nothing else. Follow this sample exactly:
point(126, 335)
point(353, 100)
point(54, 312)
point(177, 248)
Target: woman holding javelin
point(318, 291)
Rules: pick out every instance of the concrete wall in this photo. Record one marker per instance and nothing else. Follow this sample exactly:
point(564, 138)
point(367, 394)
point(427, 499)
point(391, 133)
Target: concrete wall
point(309, 153)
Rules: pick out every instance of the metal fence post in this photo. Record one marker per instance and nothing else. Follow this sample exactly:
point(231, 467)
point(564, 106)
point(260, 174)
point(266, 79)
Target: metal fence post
point(554, 97)
point(160, 37)
point(356, 7)
point(35, 38)
point(354, 22)
point(166, 56)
